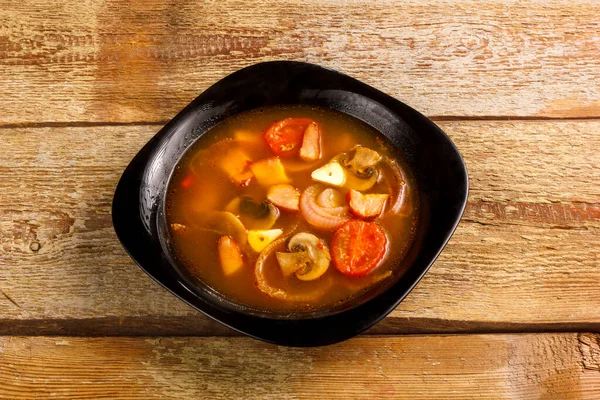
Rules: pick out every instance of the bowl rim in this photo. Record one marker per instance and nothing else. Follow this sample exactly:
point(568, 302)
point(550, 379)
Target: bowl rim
point(320, 330)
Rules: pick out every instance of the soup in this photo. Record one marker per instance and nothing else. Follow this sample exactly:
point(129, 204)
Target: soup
point(291, 208)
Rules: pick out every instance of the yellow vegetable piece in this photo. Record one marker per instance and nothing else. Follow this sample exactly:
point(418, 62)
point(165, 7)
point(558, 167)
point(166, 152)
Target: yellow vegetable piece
point(332, 174)
point(258, 240)
point(269, 172)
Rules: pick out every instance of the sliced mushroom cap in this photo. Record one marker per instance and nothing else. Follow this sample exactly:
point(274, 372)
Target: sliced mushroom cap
point(254, 215)
point(360, 166)
point(318, 255)
point(309, 293)
point(353, 182)
point(224, 223)
point(290, 263)
point(361, 161)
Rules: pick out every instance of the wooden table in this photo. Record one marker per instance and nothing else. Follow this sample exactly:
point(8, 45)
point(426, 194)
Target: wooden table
point(510, 310)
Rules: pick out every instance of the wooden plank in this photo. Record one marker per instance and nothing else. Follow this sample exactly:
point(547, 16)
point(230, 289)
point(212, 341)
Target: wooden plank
point(565, 366)
point(119, 61)
point(525, 254)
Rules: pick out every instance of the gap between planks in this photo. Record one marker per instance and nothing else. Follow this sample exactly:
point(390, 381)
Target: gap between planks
point(434, 118)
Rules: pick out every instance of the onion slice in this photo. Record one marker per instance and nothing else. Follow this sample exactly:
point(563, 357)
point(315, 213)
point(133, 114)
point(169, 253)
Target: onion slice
point(398, 188)
point(327, 218)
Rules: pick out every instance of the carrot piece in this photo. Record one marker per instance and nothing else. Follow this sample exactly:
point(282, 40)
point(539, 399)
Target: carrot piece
point(229, 255)
point(269, 172)
point(236, 163)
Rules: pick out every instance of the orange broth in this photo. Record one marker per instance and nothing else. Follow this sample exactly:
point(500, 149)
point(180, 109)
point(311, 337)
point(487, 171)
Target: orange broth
point(199, 185)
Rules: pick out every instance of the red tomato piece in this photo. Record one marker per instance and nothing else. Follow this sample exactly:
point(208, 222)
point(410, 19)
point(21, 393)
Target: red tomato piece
point(285, 137)
point(358, 247)
point(187, 182)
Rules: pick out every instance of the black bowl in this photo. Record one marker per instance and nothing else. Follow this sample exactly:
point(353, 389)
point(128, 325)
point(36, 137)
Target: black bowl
point(439, 171)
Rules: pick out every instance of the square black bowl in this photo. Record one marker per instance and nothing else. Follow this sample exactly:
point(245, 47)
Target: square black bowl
point(439, 171)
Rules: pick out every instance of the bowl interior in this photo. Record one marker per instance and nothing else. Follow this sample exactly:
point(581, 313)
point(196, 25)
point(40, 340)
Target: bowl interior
point(439, 172)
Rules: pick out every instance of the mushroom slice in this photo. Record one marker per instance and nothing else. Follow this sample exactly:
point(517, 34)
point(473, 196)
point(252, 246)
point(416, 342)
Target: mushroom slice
point(224, 223)
point(253, 215)
point(308, 294)
point(290, 263)
point(363, 160)
point(359, 167)
point(353, 181)
point(318, 255)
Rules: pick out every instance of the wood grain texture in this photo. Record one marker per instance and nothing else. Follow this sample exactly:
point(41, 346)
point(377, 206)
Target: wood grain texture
point(544, 366)
point(131, 61)
point(524, 256)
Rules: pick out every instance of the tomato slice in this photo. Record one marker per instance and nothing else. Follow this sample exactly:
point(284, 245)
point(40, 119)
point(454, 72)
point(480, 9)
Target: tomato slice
point(285, 137)
point(358, 247)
